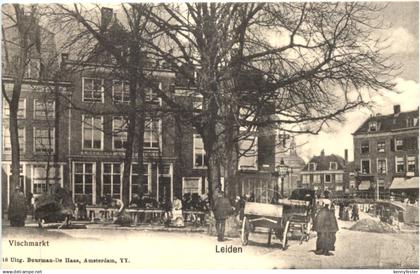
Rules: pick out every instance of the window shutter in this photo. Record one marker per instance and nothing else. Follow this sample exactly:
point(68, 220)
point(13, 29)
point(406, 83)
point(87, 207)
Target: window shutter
point(392, 145)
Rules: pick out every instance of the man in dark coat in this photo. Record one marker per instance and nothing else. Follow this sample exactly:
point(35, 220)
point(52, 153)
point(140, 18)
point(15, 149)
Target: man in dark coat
point(355, 213)
point(326, 226)
point(17, 208)
point(222, 209)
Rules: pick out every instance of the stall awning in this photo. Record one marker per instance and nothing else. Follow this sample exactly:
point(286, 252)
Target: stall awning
point(402, 183)
point(364, 185)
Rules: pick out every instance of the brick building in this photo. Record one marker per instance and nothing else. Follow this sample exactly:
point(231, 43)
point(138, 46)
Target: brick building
point(325, 173)
point(386, 153)
point(42, 116)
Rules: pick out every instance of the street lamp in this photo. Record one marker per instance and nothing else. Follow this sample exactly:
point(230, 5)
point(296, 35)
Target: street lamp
point(282, 170)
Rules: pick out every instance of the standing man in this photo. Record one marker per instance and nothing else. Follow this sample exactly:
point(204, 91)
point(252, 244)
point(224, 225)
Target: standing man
point(326, 226)
point(222, 209)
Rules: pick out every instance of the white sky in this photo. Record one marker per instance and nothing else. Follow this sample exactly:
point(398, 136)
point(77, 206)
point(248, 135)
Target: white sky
point(404, 46)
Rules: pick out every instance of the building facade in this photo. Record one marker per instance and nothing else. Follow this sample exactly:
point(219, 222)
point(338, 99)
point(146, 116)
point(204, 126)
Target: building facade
point(386, 151)
point(325, 173)
point(42, 116)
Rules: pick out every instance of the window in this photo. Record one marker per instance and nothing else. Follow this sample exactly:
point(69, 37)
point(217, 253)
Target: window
point(119, 133)
point(411, 122)
point(33, 69)
point(248, 153)
point(305, 179)
point(338, 188)
point(135, 187)
point(44, 140)
point(338, 178)
point(327, 178)
point(317, 179)
point(44, 109)
point(120, 92)
point(373, 126)
point(152, 133)
point(399, 165)
point(21, 114)
point(246, 119)
point(365, 166)
point(93, 90)
point(333, 166)
point(199, 152)
point(92, 132)
point(381, 146)
point(111, 180)
point(312, 166)
point(152, 97)
point(40, 177)
point(7, 148)
point(191, 185)
point(411, 164)
point(365, 147)
point(382, 166)
point(83, 181)
point(197, 105)
point(399, 144)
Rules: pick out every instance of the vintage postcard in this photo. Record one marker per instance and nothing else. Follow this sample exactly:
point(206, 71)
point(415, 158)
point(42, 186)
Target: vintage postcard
point(221, 135)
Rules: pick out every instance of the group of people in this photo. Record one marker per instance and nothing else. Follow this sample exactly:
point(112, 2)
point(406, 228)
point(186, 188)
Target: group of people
point(344, 212)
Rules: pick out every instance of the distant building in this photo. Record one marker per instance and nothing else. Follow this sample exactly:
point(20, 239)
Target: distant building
point(286, 150)
point(386, 154)
point(325, 173)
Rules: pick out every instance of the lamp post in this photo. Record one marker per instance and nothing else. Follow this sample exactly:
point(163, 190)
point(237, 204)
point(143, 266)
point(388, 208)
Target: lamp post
point(282, 170)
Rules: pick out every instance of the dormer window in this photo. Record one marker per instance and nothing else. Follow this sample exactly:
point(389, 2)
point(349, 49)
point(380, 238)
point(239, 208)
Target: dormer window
point(312, 166)
point(373, 126)
point(333, 165)
point(411, 122)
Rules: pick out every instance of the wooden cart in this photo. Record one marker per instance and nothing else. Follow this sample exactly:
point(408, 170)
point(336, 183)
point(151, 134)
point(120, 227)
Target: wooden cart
point(283, 218)
point(264, 215)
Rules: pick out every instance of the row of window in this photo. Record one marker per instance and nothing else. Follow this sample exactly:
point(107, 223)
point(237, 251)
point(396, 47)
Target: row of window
point(43, 109)
point(376, 126)
point(402, 165)
point(397, 144)
point(93, 91)
point(332, 166)
point(316, 178)
point(44, 140)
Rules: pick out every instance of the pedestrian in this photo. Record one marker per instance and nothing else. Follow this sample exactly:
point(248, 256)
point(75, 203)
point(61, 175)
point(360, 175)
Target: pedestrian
point(355, 213)
point(222, 209)
point(17, 208)
point(325, 224)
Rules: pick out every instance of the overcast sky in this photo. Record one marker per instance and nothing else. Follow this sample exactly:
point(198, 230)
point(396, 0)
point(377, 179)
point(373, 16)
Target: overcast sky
point(402, 19)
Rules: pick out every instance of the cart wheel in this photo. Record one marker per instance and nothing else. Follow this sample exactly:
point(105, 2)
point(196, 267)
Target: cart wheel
point(245, 231)
point(285, 231)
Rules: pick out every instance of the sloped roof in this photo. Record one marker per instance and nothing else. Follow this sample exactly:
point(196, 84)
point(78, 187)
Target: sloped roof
point(323, 162)
point(391, 122)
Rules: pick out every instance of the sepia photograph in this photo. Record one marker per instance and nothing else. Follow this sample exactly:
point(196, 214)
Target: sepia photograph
point(218, 135)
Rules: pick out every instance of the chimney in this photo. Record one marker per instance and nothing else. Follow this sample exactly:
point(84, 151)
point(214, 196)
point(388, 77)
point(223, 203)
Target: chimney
point(322, 153)
point(346, 155)
point(106, 17)
point(397, 109)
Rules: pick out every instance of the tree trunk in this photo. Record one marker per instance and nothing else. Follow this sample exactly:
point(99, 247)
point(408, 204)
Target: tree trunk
point(14, 142)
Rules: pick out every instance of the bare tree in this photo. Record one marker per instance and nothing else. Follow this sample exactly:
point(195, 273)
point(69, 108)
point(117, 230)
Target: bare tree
point(26, 55)
point(123, 39)
point(308, 64)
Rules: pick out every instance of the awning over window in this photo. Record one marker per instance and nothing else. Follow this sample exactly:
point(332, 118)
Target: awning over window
point(364, 185)
point(402, 183)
